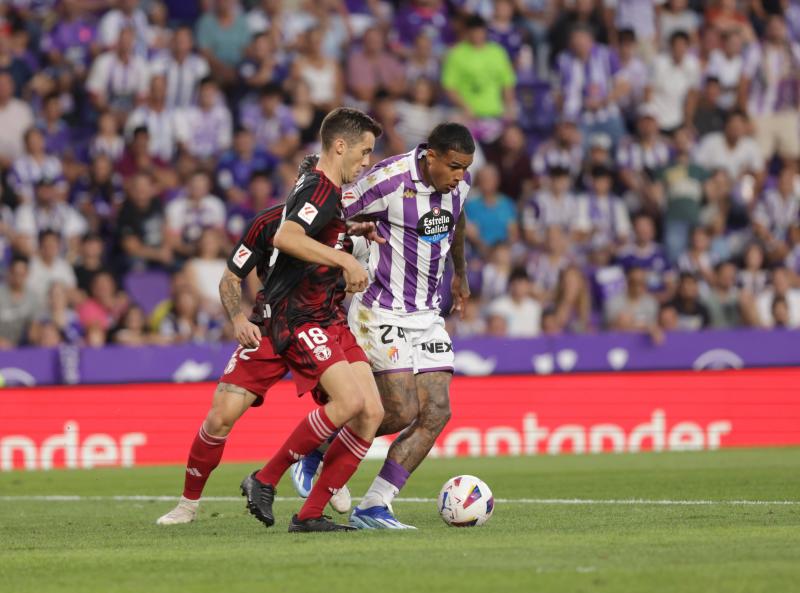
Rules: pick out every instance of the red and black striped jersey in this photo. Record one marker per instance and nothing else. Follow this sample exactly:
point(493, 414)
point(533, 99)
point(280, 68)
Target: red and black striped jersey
point(300, 292)
point(254, 250)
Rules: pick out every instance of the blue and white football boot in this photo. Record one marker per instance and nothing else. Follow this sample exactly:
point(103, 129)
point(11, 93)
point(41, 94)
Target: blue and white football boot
point(377, 517)
point(304, 471)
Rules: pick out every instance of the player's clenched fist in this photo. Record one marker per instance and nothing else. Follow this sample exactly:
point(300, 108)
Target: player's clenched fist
point(355, 276)
point(247, 334)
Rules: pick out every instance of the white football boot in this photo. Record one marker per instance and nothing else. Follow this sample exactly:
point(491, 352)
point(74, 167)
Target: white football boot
point(185, 512)
point(341, 501)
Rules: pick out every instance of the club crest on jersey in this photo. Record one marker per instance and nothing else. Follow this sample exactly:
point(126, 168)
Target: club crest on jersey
point(394, 354)
point(435, 225)
point(308, 213)
point(409, 194)
point(322, 353)
point(241, 256)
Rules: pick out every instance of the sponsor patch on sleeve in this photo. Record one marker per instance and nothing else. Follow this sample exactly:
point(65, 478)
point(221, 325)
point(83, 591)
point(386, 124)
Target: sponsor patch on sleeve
point(308, 213)
point(241, 256)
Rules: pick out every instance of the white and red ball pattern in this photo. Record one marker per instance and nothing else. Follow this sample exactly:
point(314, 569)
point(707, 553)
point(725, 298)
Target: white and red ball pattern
point(465, 501)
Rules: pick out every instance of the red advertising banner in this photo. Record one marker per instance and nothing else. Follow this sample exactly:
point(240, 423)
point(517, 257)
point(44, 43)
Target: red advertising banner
point(126, 425)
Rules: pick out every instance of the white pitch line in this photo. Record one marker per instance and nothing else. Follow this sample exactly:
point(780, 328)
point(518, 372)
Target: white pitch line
point(541, 501)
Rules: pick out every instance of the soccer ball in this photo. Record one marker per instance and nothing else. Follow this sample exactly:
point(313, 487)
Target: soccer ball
point(465, 501)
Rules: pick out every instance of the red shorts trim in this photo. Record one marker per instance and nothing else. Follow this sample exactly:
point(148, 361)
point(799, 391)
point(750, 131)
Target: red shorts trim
point(255, 369)
point(313, 349)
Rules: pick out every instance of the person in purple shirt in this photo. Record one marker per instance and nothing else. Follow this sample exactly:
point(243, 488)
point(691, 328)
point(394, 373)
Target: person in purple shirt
point(503, 29)
point(237, 165)
point(73, 38)
point(648, 255)
point(58, 136)
point(423, 15)
point(271, 122)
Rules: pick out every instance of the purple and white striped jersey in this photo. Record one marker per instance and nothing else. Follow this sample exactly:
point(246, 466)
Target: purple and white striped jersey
point(636, 156)
point(418, 223)
point(774, 82)
point(593, 78)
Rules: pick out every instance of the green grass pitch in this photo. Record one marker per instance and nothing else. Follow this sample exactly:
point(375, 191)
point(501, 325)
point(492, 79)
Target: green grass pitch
point(617, 543)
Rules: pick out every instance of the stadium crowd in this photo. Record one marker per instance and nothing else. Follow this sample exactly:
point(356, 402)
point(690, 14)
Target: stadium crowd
point(637, 169)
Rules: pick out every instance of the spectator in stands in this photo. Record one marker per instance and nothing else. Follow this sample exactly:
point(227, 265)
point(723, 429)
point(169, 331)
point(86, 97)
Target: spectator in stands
point(727, 66)
point(58, 323)
point(418, 17)
point(183, 68)
point(419, 114)
point(132, 329)
point(30, 168)
point(491, 216)
point(675, 15)
point(697, 260)
point(640, 158)
point(187, 322)
point(478, 76)
point(58, 136)
point(19, 70)
point(103, 309)
point(770, 88)
point(472, 323)
point(582, 14)
point(555, 205)
point(98, 195)
point(90, 262)
point(137, 159)
point(237, 165)
point(373, 67)
point(682, 181)
point(127, 15)
point(49, 211)
point(322, 74)
point(259, 67)
point(602, 218)
point(73, 39)
point(792, 261)
point(725, 16)
point(781, 289)
point(636, 310)
point(119, 78)
point(590, 84)
point(644, 253)
point(49, 267)
point(776, 211)
point(17, 305)
point(546, 267)
point(271, 122)
point(564, 150)
point(496, 272)
point(510, 156)
point(206, 268)
point(521, 311)
point(222, 36)
point(709, 117)
point(141, 227)
point(108, 141)
point(209, 123)
point(674, 84)
point(691, 312)
point(194, 210)
point(753, 277)
point(167, 127)
point(16, 118)
point(421, 61)
point(725, 302)
point(633, 74)
point(732, 151)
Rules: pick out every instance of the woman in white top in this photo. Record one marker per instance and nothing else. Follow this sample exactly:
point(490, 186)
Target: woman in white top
point(322, 74)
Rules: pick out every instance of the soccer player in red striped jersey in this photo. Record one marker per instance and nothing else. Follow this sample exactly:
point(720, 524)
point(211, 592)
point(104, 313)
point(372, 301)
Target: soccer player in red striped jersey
point(308, 328)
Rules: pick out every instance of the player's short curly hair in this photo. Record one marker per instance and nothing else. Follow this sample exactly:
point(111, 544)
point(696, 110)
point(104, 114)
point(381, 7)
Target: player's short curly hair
point(451, 136)
point(348, 124)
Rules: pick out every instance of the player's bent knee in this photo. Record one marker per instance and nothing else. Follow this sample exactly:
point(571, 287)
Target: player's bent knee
point(218, 423)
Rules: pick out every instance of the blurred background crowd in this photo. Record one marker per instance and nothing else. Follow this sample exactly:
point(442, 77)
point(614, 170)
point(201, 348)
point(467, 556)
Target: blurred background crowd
point(637, 167)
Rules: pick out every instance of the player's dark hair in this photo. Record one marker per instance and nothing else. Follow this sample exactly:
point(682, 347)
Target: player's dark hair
point(451, 136)
point(308, 164)
point(347, 124)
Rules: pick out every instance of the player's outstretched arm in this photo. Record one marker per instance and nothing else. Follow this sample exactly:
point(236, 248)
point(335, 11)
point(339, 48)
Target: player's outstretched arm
point(291, 239)
point(230, 293)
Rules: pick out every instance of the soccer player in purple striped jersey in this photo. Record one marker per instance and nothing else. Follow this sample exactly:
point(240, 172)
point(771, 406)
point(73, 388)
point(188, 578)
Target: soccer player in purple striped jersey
point(416, 200)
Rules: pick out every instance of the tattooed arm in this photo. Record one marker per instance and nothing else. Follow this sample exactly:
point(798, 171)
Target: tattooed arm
point(230, 293)
point(459, 286)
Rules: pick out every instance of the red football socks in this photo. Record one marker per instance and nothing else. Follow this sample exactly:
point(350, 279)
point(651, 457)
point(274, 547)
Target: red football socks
point(313, 430)
point(339, 464)
point(204, 457)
